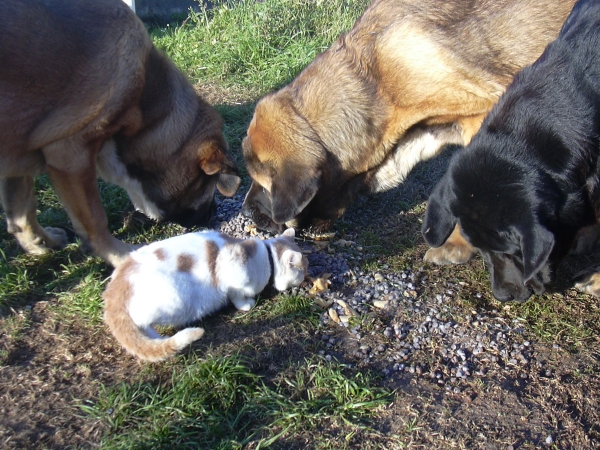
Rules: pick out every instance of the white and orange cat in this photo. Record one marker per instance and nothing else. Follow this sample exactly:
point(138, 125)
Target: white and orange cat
point(183, 279)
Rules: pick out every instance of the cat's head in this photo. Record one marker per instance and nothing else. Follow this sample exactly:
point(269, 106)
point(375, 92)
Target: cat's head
point(290, 264)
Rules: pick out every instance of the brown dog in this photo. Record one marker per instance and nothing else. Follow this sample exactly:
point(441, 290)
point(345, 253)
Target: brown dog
point(407, 79)
point(83, 91)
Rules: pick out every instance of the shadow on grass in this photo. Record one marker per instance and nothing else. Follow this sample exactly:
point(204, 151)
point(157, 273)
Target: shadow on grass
point(255, 379)
point(27, 280)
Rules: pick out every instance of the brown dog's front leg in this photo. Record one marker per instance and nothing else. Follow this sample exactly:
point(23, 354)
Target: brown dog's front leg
point(588, 281)
point(456, 250)
point(18, 200)
point(80, 195)
point(72, 171)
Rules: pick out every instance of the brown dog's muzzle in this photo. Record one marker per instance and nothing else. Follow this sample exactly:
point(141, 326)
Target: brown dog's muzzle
point(257, 206)
point(189, 218)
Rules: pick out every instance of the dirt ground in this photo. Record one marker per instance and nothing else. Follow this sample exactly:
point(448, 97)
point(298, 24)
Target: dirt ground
point(55, 366)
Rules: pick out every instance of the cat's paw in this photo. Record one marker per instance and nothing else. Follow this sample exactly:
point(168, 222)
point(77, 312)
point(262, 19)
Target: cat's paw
point(245, 304)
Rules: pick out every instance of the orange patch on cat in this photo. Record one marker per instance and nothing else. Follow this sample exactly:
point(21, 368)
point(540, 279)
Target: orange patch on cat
point(160, 253)
point(185, 262)
point(250, 247)
point(212, 251)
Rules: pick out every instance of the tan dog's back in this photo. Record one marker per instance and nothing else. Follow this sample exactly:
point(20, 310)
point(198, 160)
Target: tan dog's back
point(410, 77)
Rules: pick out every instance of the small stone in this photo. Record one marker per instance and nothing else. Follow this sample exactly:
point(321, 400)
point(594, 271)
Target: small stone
point(334, 315)
point(344, 319)
point(381, 304)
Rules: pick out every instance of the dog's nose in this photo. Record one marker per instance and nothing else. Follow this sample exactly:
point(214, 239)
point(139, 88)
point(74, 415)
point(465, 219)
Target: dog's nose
point(247, 211)
point(260, 219)
point(189, 218)
point(512, 293)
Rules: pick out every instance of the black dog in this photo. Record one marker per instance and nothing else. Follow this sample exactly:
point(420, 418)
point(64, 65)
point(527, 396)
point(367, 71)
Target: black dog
point(529, 182)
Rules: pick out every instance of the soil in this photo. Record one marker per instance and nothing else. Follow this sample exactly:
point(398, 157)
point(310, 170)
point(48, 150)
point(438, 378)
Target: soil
point(552, 401)
point(55, 368)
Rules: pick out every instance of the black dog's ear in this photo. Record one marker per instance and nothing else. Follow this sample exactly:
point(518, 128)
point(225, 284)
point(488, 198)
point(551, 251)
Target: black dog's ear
point(291, 194)
point(536, 245)
point(439, 221)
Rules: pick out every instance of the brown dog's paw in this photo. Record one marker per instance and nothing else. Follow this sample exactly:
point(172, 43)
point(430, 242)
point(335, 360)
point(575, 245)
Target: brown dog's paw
point(588, 282)
point(456, 250)
point(111, 250)
point(56, 237)
point(449, 254)
point(46, 240)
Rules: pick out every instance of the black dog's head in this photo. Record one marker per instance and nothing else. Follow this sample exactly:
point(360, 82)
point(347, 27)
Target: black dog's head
point(517, 216)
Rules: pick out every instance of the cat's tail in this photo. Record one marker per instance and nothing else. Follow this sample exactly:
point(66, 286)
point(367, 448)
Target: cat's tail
point(132, 337)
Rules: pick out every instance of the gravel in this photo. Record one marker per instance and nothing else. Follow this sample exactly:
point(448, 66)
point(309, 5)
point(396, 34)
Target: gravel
point(385, 319)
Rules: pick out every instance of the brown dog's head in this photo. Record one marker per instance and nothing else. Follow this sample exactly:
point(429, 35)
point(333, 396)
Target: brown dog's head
point(175, 155)
point(284, 158)
point(172, 175)
point(189, 200)
point(518, 218)
point(297, 180)
point(179, 189)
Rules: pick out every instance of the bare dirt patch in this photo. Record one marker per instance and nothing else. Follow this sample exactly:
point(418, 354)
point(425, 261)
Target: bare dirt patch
point(48, 371)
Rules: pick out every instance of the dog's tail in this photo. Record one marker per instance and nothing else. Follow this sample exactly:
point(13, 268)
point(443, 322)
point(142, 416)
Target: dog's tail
point(130, 336)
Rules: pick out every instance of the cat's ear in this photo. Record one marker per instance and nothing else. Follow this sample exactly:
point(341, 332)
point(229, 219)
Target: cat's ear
point(289, 233)
point(292, 258)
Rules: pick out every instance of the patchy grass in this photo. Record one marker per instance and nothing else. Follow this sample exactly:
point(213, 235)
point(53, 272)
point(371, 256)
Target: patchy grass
point(218, 402)
point(258, 45)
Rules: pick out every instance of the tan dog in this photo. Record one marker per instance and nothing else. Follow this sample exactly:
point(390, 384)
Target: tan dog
point(407, 79)
point(83, 91)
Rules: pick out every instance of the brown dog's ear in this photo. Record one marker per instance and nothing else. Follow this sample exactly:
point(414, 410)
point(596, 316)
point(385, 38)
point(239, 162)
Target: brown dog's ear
point(214, 160)
point(439, 222)
point(290, 194)
point(536, 245)
point(228, 184)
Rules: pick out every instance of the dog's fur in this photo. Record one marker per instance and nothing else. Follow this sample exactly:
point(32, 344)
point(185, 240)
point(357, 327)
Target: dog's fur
point(408, 78)
point(82, 89)
point(529, 182)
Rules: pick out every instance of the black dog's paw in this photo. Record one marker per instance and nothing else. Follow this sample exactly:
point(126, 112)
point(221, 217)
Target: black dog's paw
point(588, 281)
